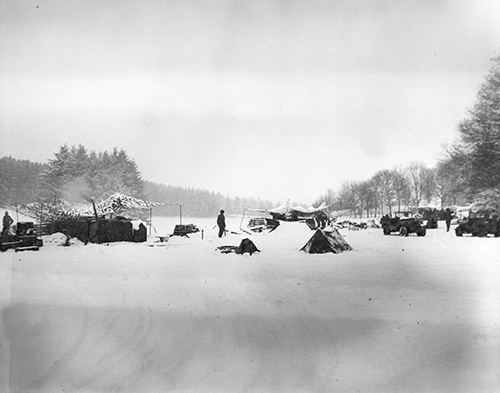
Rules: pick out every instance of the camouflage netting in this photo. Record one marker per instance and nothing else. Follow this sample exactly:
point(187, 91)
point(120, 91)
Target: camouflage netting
point(119, 203)
point(116, 204)
point(48, 212)
point(79, 221)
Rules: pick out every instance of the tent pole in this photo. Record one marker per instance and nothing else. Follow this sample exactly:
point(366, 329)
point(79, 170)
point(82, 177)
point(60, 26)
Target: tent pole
point(150, 219)
point(242, 216)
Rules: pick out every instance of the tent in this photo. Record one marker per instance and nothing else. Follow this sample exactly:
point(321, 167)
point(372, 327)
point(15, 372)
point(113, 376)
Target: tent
point(326, 241)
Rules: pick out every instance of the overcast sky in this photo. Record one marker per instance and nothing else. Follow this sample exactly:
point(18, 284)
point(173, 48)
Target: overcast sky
point(274, 99)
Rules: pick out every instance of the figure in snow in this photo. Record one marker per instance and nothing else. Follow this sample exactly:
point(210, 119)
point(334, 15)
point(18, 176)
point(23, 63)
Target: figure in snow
point(447, 218)
point(7, 222)
point(221, 222)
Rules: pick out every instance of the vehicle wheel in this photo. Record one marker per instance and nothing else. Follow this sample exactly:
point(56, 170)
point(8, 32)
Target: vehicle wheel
point(403, 231)
point(386, 230)
point(458, 231)
point(483, 232)
point(421, 232)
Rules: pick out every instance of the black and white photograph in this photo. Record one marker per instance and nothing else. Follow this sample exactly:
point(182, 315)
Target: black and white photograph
point(255, 196)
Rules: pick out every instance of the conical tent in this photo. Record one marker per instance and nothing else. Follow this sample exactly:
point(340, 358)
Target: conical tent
point(326, 241)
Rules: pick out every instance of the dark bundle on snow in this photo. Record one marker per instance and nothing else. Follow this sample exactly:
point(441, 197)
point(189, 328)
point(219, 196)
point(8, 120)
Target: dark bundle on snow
point(246, 246)
point(326, 241)
point(351, 225)
point(185, 230)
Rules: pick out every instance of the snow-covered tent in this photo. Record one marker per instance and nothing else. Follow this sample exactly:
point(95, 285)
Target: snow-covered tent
point(288, 207)
point(326, 241)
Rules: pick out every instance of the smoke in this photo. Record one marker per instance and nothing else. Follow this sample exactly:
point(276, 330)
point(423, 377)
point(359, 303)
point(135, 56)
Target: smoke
point(77, 191)
point(88, 198)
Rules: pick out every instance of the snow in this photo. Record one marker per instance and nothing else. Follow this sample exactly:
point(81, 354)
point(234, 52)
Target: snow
point(414, 314)
point(60, 239)
point(57, 238)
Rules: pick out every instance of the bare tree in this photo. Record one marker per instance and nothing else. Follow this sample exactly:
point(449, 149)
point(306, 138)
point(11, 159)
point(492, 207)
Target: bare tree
point(385, 179)
point(366, 196)
point(401, 187)
point(421, 182)
point(428, 184)
point(376, 195)
point(329, 198)
point(348, 197)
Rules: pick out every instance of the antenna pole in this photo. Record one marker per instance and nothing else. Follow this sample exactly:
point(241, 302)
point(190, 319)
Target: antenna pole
point(150, 219)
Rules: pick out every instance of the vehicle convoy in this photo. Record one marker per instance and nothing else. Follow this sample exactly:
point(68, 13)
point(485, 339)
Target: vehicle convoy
point(403, 223)
point(23, 238)
point(480, 223)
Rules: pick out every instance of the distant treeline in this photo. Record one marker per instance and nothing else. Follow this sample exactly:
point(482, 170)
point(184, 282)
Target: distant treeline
point(469, 169)
point(397, 189)
point(75, 174)
point(20, 181)
point(197, 203)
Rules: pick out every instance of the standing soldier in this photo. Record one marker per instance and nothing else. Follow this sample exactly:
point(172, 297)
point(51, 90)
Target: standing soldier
point(447, 218)
point(221, 222)
point(7, 222)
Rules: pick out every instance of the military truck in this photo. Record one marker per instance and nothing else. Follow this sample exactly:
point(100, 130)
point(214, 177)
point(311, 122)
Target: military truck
point(24, 238)
point(430, 215)
point(404, 223)
point(480, 223)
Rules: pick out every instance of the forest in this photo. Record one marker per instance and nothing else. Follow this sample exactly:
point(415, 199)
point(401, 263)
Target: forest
point(77, 175)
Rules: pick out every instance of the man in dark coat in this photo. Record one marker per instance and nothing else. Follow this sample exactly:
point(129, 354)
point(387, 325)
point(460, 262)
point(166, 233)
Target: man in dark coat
point(447, 218)
point(7, 222)
point(221, 222)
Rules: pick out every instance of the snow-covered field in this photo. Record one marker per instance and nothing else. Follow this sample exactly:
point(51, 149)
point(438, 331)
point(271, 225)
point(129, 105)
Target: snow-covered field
point(393, 315)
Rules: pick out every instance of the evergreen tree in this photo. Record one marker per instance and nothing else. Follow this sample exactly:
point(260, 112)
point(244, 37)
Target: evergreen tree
point(75, 172)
